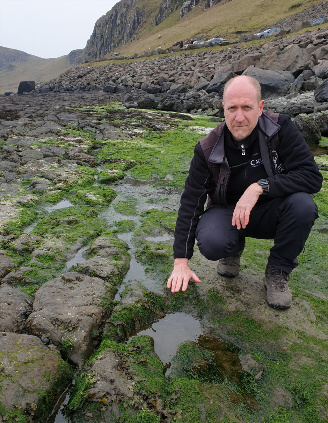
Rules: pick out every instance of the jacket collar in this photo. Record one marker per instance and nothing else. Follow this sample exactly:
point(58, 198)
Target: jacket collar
point(266, 125)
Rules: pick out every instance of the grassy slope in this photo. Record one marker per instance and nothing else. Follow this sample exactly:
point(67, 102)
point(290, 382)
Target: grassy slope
point(224, 19)
point(34, 69)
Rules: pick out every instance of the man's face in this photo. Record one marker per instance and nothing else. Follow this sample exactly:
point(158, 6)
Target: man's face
point(242, 108)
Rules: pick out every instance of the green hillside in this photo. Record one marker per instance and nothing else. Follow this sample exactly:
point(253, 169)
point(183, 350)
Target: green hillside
point(228, 19)
point(33, 69)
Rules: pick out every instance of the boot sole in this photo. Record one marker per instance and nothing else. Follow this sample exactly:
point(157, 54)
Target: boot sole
point(228, 274)
point(277, 306)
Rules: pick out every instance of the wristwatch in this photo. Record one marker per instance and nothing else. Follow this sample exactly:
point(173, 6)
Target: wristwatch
point(264, 183)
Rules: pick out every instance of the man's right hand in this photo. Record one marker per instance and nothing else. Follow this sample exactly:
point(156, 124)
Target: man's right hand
point(181, 275)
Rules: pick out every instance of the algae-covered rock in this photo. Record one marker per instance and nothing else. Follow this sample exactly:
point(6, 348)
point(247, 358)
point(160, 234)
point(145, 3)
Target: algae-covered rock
point(31, 377)
point(120, 382)
point(137, 309)
point(14, 307)
point(107, 259)
point(6, 264)
point(68, 310)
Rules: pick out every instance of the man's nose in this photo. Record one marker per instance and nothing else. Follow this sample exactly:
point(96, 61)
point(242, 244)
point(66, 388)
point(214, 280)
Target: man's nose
point(239, 115)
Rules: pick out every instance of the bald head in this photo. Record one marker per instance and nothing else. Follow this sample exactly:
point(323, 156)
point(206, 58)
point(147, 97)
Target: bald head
point(242, 106)
point(244, 80)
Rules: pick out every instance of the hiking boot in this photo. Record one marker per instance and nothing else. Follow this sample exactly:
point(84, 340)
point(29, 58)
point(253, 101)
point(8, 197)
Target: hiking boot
point(276, 283)
point(229, 267)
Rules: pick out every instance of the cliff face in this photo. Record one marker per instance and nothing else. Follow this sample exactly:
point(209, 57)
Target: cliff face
point(127, 18)
point(117, 27)
point(166, 8)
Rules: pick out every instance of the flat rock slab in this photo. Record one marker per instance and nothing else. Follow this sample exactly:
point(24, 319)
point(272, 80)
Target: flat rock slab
point(14, 307)
point(68, 311)
point(28, 371)
point(6, 263)
point(107, 260)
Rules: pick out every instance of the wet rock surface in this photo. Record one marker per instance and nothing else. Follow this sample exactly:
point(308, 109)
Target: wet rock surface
point(14, 307)
point(29, 373)
point(68, 312)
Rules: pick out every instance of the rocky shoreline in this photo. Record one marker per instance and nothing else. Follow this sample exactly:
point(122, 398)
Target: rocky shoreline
point(192, 81)
point(64, 194)
point(92, 165)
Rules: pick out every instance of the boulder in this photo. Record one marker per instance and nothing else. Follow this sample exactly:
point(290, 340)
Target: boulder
point(321, 120)
point(219, 80)
point(271, 82)
point(32, 376)
point(321, 93)
point(297, 85)
point(6, 264)
point(311, 84)
point(14, 307)
point(309, 128)
point(147, 102)
point(68, 310)
point(26, 87)
point(110, 89)
point(293, 58)
point(321, 69)
point(246, 61)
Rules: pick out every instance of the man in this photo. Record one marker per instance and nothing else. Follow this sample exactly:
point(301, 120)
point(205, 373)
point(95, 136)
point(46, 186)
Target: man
point(257, 173)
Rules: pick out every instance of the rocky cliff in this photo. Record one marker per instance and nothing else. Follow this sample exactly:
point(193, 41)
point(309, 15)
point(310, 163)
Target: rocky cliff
point(166, 8)
point(130, 18)
point(117, 27)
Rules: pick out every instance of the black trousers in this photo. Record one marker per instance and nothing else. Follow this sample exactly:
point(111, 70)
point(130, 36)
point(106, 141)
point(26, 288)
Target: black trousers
point(286, 220)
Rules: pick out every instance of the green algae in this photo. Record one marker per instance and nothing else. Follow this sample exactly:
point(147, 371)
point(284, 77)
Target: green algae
point(111, 173)
point(128, 319)
point(193, 398)
point(47, 396)
point(122, 226)
point(156, 221)
point(26, 216)
point(59, 230)
point(155, 156)
point(95, 196)
point(127, 207)
point(164, 156)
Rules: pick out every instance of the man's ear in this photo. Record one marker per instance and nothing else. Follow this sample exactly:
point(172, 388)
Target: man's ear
point(261, 107)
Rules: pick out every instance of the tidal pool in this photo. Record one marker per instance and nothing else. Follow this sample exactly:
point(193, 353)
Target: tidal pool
point(170, 332)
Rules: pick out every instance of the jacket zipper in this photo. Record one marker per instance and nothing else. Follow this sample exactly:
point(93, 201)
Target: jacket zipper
point(243, 152)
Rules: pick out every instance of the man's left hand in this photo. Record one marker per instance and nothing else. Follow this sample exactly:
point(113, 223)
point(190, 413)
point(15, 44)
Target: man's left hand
point(247, 201)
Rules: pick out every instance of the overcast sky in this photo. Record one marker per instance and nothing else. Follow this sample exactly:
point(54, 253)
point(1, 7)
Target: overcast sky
point(49, 28)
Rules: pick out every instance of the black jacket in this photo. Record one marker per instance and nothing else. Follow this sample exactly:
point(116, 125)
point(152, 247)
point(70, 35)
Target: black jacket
point(286, 157)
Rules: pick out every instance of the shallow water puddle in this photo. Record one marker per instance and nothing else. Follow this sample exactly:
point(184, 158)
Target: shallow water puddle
point(219, 360)
point(30, 228)
point(64, 204)
point(144, 193)
point(170, 332)
point(78, 258)
point(57, 415)
point(61, 205)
